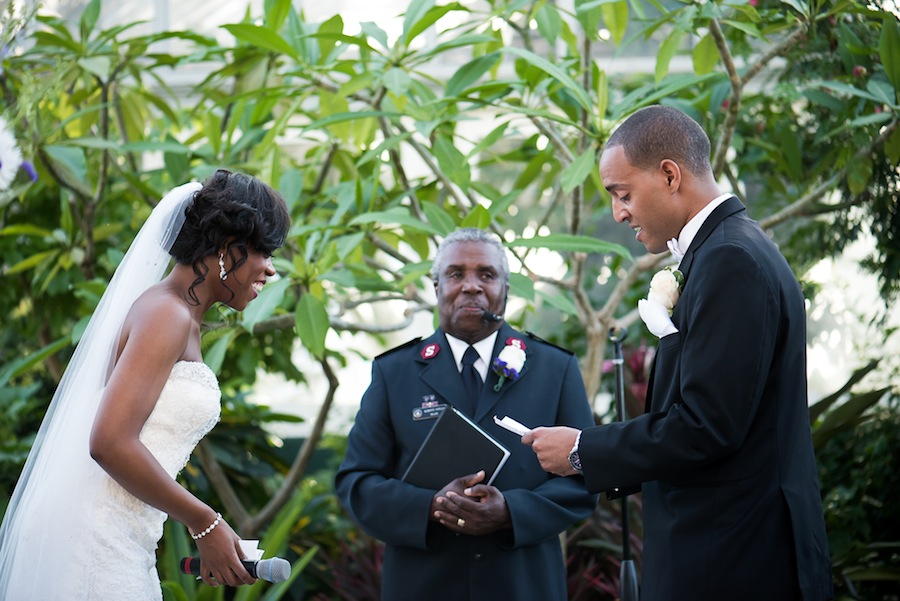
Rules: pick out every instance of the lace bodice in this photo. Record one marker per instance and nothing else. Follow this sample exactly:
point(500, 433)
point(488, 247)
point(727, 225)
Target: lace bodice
point(187, 409)
point(127, 529)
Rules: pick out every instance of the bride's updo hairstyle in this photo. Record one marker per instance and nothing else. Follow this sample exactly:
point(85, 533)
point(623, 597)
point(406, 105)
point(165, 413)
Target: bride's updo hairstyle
point(233, 210)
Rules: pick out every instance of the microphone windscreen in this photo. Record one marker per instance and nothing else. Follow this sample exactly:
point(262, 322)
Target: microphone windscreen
point(275, 569)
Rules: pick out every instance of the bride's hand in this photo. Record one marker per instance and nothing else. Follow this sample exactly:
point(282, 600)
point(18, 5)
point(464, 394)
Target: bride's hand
point(220, 557)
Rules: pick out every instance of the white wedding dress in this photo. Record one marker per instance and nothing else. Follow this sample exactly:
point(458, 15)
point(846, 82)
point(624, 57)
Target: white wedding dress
point(112, 536)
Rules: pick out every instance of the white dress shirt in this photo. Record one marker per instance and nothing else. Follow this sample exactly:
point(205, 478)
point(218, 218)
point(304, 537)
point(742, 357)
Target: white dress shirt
point(484, 348)
point(689, 231)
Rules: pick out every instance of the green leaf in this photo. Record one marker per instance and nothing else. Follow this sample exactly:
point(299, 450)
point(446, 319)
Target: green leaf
point(340, 118)
point(345, 245)
point(215, 355)
point(96, 65)
point(439, 218)
point(575, 174)
point(889, 49)
point(371, 30)
point(395, 216)
point(615, 16)
point(312, 324)
point(892, 146)
point(705, 55)
point(169, 146)
point(801, 7)
point(25, 230)
point(397, 81)
point(559, 301)
point(71, 166)
point(746, 28)
point(602, 93)
point(881, 89)
point(571, 243)
point(387, 145)
point(89, 18)
point(790, 150)
point(521, 285)
point(548, 22)
point(20, 366)
point(846, 415)
point(265, 304)
point(588, 14)
point(471, 72)
point(276, 13)
point(553, 71)
point(416, 19)
point(489, 140)
point(650, 94)
point(452, 162)
point(479, 217)
point(667, 50)
point(262, 37)
point(838, 87)
point(859, 171)
point(333, 29)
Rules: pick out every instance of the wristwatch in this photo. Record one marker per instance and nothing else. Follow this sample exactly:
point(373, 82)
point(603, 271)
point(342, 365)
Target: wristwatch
point(574, 457)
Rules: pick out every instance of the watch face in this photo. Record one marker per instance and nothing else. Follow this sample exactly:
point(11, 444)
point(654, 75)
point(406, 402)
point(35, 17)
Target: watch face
point(575, 461)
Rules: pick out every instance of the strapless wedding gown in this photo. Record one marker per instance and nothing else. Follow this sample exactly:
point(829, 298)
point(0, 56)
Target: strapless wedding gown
point(112, 535)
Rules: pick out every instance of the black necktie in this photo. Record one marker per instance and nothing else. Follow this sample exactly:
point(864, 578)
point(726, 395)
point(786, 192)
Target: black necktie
point(471, 378)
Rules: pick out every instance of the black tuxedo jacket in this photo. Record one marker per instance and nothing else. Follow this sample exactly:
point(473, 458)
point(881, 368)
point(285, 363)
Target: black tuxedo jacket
point(732, 508)
point(424, 560)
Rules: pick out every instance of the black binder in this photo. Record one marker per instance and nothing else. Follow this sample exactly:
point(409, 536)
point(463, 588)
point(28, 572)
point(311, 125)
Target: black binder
point(454, 447)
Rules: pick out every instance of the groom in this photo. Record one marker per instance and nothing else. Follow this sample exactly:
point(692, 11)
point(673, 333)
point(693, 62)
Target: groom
point(723, 454)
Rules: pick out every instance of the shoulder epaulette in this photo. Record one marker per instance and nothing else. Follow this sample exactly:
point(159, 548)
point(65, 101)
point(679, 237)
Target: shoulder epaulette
point(397, 348)
point(537, 338)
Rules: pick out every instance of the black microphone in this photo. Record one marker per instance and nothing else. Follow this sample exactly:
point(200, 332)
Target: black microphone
point(488, 316)
point(274, 569)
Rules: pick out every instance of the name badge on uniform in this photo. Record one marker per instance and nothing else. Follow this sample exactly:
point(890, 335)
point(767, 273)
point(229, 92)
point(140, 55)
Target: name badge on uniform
point(429, 409)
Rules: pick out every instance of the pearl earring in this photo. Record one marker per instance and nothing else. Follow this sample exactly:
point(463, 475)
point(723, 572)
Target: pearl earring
point(223, 275)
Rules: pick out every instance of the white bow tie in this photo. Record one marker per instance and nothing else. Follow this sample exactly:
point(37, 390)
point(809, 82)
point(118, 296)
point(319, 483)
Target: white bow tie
point(675, 250)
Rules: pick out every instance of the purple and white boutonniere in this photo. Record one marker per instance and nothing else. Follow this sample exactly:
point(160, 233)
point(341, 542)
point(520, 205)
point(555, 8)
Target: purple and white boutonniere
point(11, 159)
point(508, 364)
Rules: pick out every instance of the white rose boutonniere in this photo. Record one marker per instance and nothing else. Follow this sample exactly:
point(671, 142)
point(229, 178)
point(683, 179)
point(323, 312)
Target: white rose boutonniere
point(508, 364)
point(665, 288)
point(656, 310)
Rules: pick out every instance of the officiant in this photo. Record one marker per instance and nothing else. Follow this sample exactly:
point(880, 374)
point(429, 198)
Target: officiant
point(723, 454)
point(470, 540)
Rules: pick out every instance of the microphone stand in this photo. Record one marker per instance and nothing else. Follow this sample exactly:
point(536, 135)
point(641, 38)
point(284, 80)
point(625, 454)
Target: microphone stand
point(628, 582)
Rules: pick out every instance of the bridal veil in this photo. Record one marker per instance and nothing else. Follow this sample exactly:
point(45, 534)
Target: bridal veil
point(45, 519)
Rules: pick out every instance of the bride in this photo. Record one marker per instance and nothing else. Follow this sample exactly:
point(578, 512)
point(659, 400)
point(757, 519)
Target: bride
point(88, 510)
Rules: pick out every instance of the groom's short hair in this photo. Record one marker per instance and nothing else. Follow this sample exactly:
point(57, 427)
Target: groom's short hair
point(655, 133)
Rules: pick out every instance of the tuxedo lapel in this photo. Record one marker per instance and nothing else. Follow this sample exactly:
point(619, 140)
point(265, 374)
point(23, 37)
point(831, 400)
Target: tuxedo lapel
point(489, 397)
point(726, 209)
point(439, 371)
point(719, 214)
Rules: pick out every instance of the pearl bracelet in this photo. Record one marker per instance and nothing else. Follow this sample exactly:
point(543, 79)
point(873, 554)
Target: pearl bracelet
point(209, 528)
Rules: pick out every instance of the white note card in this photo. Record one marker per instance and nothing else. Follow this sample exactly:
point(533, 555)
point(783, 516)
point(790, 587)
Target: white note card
point(508, 423)
point(251, 550)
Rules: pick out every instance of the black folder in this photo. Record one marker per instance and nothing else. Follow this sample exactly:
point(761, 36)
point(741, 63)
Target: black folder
point(454, 447)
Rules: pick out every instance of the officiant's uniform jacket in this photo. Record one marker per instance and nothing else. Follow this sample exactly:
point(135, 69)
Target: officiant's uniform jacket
point(731, 504)
point(424, 560)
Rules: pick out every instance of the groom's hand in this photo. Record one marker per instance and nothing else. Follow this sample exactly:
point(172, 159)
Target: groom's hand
point(552, 446)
